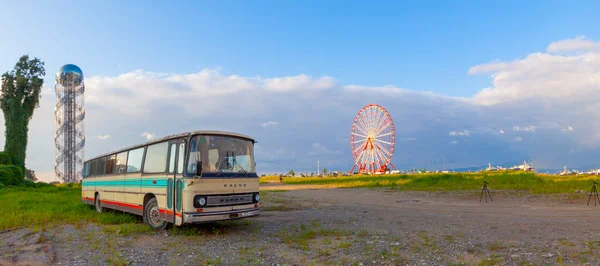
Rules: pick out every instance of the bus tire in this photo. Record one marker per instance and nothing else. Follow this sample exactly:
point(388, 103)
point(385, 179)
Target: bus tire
point(152, 215)
point(97, 204)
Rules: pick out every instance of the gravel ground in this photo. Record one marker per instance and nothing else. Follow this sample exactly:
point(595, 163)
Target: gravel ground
point(339, 226)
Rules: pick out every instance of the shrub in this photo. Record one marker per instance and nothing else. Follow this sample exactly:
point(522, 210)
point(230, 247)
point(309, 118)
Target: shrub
point(28, 183)
point(11, 175)
point(5, 158)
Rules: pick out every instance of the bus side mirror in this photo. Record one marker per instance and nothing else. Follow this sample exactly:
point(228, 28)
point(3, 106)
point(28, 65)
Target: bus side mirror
point(199, 168)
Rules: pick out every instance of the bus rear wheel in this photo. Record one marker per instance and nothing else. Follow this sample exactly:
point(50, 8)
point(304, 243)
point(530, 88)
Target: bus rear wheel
point(97, 203)
point(152, 215)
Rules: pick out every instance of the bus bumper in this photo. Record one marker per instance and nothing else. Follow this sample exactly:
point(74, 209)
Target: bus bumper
point(204, 217)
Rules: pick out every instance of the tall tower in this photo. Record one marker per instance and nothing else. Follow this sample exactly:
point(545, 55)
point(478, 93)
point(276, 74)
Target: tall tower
point(69, 113)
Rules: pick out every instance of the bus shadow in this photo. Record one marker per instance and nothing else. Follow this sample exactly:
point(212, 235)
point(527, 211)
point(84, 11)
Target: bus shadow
point(214, 228)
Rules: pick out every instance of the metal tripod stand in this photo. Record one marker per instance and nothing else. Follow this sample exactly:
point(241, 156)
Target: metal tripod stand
point(594, 193)
point(485, 192)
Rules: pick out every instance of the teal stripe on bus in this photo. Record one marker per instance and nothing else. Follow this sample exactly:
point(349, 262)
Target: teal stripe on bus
point(127, 183)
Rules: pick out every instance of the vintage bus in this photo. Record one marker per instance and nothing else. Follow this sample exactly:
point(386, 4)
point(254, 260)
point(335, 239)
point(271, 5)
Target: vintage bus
point(193, 177)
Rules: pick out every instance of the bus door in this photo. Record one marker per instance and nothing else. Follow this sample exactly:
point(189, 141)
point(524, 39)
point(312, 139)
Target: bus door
point(175, 181)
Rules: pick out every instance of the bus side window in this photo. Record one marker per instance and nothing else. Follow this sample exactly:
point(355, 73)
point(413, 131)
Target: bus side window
point(101, 166)
point(172, 157)
point(93, 167)
point(86, 168)
point(181, 158)
point(156, 158)
point(134, 160)
point(121, 163)
point(191, 169)
point(110, 164)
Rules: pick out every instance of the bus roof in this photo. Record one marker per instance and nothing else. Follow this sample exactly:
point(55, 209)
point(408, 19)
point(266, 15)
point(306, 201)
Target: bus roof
point(170, 137)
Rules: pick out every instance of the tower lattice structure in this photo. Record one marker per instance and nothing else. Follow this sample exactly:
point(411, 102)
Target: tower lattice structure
point(69, 114)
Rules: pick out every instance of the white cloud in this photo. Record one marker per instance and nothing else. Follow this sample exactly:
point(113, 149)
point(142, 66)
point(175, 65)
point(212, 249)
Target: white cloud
point(569, 128)
point(459, 133)
point(148, 136)
point(103, 137)
point(518, 139)
point(269, 123)
point(454, 142)
point(580, 43)
point(524, 129)
point(299, 82)
point(543, 76)
point(501, 132)
point(487, 68)
point(136, 92)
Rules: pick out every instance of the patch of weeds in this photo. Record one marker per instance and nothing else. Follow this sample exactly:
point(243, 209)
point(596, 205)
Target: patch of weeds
point(115, 259)
point(129, 229)
point(565, 242)
point(276, 208)
point(245, 251)
point(217, 260)
point(300, 236)
point(187, 230)
point(215, 231)
point(368, 249)
point(115, 217)
point(496, 246)
point(492, 260)
point(591, 245)
point(323, 252)
point(344, 245)
point(384, 254)
point(449, 238)
point(362, 233)
point(428, 241)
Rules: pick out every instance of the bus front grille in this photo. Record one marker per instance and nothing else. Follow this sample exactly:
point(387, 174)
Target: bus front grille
point(228, 200)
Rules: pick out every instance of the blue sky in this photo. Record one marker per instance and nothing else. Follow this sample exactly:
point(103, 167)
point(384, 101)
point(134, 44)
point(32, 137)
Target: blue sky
point(308, 66)
point(421, 45)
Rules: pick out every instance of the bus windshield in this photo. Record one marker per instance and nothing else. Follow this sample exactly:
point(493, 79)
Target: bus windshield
point(221, 155)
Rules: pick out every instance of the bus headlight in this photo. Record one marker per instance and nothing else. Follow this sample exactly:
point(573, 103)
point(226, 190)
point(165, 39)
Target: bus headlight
point(199, 201)
point(256, 197)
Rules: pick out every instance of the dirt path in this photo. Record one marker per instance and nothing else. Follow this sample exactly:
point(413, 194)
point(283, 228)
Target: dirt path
point(302, 225)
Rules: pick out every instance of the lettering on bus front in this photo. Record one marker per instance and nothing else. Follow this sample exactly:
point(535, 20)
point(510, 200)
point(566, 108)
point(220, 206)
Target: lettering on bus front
point(235, 185)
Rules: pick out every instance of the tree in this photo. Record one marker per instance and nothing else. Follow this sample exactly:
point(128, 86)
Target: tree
point(324, 171)
point(30, 175)
point(291, 173)
point(20, 96)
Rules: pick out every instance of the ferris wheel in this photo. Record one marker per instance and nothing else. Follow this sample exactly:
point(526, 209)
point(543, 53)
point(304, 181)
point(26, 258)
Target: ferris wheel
point(372, 140)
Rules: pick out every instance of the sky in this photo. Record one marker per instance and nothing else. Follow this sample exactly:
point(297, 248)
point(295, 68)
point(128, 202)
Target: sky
point(467, 83)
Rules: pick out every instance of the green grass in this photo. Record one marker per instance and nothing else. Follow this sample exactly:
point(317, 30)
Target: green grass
point(301, 236)
point(51, 205)
point(505, 180)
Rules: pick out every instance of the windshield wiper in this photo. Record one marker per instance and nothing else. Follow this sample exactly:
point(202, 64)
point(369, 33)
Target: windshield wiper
point(220, 168)
point(236, 163)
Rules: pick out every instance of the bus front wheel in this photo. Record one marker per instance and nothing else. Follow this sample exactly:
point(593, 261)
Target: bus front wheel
point(97, 203)
point(152, 215)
